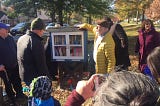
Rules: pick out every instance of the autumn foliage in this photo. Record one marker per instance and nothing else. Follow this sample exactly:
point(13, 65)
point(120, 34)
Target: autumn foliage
point(153, 12)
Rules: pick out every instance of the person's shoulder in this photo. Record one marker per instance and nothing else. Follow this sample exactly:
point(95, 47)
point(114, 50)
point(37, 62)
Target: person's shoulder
point(10, 36)
point(118, 25)
point(23, 36)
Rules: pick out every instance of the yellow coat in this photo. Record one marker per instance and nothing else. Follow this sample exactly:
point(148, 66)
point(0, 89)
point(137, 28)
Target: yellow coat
point(106, 51)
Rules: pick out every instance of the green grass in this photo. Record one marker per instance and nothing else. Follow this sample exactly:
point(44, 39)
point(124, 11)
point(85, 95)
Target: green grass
point(131, 31)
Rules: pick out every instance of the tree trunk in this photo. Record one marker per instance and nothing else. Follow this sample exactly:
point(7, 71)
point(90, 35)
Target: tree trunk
point(89, 19)
point(143, 11)
point(128, 18)
point(52, 16)
point(60, 17)
point(137, 15)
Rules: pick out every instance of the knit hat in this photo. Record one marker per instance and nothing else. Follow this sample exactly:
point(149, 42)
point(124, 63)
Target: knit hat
point(41, 87)
point(104, 23)
point(4, 26)
point(38, 24)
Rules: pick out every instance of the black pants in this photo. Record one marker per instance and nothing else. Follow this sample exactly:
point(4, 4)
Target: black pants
point(13, 81)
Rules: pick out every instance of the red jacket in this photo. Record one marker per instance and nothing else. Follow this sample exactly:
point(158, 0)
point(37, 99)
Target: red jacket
point(74, 99)
point(146, 42)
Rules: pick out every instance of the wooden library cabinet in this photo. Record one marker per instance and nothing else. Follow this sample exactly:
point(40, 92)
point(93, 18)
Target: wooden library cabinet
point(68, 44)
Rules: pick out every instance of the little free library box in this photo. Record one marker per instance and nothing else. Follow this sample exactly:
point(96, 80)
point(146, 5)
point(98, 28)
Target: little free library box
point(68, 44)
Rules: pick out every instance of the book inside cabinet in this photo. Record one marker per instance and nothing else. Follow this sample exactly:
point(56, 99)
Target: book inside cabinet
point(68, 46)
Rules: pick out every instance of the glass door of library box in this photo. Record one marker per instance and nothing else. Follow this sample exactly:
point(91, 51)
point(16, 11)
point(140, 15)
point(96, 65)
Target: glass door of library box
point(68, 46)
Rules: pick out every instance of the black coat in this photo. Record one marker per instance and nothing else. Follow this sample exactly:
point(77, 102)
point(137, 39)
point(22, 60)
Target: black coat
point(8, 53)
point(121, 53)
point(31, 57)
point(52, 65)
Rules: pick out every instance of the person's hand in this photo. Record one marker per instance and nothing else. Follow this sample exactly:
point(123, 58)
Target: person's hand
point(77, 25)
point(85, 88)
point(2, 68)
point(122, 43)
point(82, 29)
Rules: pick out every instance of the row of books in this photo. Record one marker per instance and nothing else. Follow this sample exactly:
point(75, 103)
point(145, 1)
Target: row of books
point(59, 40)
point(73, 39)
point(74, 51)
point(60, 51)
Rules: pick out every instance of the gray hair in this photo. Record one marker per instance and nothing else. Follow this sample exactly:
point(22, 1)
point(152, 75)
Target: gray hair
point(126, 88)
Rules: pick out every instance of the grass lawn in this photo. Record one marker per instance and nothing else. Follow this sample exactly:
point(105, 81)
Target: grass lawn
point(131, 30)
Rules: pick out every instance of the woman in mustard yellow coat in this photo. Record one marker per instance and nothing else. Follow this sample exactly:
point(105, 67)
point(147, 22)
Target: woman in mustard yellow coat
point(104, 52)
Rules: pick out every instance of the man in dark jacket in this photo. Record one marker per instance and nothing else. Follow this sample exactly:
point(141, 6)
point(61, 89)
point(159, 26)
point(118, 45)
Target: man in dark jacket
point(31, 54)
point(52, 65)
point(121, 45)
point(9, 65)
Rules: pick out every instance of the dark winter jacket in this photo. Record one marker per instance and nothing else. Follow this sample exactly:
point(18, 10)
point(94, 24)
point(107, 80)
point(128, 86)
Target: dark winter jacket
point(31, 57)
point(121, 53)
point(52, 65)
point(146, 42)
point(8, 53)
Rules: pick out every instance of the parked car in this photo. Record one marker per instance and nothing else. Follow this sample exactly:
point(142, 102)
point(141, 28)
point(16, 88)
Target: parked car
point(50, 26)
point(65, 25)
point(55, 25)
point(20, 28)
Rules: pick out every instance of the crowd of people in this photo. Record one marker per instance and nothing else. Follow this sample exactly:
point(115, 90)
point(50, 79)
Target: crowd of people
point(29, 61)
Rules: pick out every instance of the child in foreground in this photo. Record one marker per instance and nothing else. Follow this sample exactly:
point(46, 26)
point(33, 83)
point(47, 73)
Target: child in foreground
point(40, 92)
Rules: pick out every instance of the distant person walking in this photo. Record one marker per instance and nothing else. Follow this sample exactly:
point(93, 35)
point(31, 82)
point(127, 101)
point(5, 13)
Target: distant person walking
point(31, 53)
point(147, 40)
point(9, 66)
